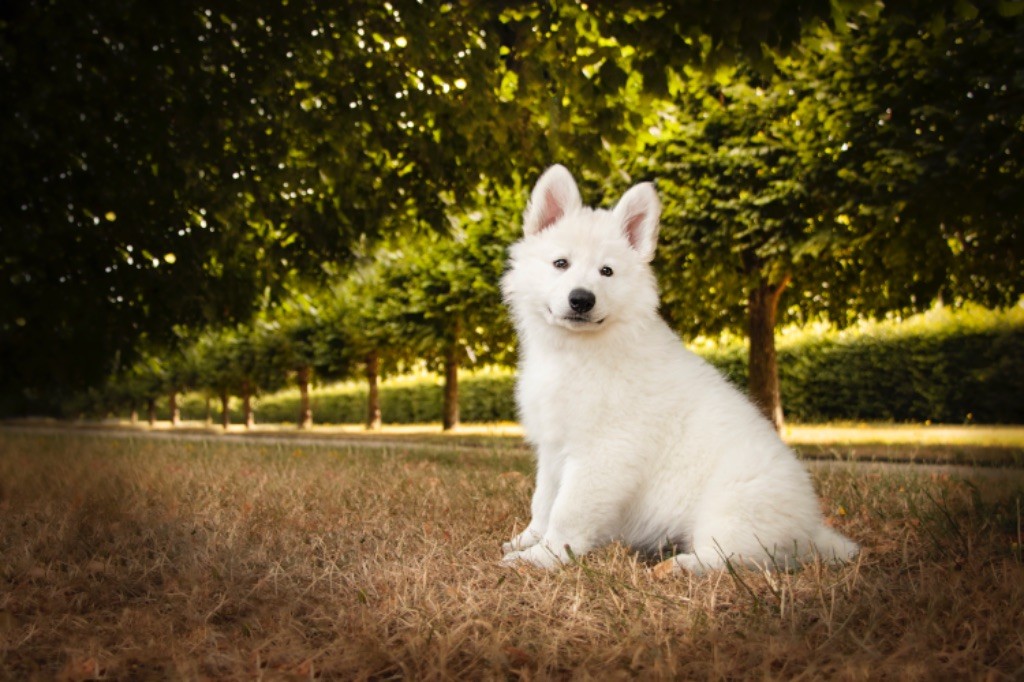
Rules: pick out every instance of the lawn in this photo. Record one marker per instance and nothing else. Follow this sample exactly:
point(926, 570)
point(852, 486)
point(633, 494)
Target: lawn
point(983, 445)
point(933, 443)
point(141, 558)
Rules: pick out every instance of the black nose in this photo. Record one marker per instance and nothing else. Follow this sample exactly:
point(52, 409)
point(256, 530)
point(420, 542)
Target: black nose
point(581, 300)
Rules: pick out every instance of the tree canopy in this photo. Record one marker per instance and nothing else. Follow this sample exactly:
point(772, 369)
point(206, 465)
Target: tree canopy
point(191, 165)
point(869, 171)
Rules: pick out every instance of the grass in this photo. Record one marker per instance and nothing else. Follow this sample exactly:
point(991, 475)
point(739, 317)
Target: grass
point(140, 558)
point(933, 443)
point(906, 434)
point(922, 443)
point(936, 443)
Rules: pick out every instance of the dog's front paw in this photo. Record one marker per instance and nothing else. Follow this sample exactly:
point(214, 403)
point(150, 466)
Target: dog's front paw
point(539, 555)
point(528, 538)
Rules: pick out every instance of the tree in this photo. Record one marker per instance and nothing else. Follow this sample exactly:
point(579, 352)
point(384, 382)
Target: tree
point(143, 383)
point(358, 332)
point(934, 124)
point(744, 215)
point(215, 373)
point(444, 292)
point(816, 181)
point(292, 338)
point(234, 361)
point(176, 366)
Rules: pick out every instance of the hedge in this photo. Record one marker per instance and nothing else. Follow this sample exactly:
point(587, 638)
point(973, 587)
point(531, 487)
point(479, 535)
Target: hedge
point(944, 366)
point(485, 396)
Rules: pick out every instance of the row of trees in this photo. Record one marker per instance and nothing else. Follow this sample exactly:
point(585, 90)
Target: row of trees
point(192, 168)
point(424, 298)
point(240, 361)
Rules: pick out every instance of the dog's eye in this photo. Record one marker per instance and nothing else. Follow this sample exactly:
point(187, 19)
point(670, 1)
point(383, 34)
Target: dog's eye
point(606, 271)
point(561, 264)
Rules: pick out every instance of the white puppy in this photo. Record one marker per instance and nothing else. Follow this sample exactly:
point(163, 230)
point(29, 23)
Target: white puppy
point(638, 440)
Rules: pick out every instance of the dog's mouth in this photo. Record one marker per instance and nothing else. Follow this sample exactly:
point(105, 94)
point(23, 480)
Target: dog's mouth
point(582, 319)
point(576, 320)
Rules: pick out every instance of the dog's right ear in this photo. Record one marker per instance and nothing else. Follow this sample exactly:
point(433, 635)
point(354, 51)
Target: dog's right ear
point(638, 211)
point(554, 196)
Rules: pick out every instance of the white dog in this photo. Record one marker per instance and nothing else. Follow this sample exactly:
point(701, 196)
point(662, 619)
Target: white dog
point(638, 440)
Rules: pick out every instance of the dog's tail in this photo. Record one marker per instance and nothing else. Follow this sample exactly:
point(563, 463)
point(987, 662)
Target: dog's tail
point(834, 546)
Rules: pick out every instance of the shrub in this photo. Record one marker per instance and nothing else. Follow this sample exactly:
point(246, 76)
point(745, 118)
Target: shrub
point(945, 366)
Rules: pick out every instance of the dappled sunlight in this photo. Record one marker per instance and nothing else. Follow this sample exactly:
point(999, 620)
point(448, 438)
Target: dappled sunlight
point(904, 434)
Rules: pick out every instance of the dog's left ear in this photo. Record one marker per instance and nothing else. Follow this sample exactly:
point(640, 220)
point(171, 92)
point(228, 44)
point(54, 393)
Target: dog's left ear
point(638, 212)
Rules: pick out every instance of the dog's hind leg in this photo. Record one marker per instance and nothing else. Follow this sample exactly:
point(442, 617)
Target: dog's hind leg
point(701, 562)
point(690, 563)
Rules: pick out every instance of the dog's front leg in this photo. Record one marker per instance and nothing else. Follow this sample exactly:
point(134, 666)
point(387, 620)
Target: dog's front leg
point(587, 511)
point(549, 473)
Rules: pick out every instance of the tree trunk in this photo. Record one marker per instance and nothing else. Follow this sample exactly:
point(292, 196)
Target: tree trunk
point(450, 406)
point(134, 414)
point(305, 412)
point(209, 410)
point(763, 382)
point(250, 418)
point(225, 414)
point(151, 409)
point(172, 401)
point(373, 415)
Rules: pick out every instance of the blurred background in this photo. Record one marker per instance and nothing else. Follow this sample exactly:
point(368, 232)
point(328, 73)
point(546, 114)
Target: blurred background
point(218, 200)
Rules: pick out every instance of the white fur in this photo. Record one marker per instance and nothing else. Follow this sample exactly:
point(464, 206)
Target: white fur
point(638, 440)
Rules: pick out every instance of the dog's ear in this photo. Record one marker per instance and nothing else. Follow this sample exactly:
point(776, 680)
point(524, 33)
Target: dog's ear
point(638, 212)
point(554, 196)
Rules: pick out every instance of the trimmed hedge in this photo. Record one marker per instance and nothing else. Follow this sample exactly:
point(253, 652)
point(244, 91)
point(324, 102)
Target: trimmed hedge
point(944, 366)
point(485, 396)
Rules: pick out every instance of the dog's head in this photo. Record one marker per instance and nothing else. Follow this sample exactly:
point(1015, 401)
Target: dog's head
point(579, 268)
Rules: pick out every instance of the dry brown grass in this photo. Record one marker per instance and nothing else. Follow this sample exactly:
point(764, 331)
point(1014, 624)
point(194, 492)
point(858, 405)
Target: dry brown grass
point(138, 558)
point(970, 445)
